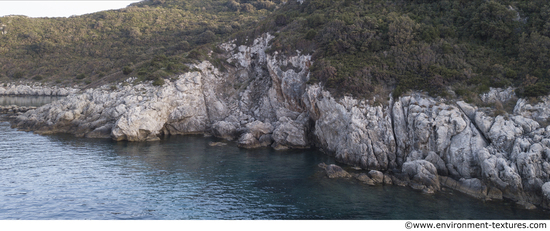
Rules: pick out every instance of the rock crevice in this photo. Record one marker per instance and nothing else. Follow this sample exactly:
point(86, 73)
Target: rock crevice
point(415, 140)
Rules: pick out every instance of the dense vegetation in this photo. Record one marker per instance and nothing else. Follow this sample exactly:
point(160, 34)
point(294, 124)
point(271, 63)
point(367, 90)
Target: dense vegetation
point(366, 47)
point(150, 39)
point(359, 47)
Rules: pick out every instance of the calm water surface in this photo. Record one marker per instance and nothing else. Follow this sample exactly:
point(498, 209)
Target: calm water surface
point(182, 177)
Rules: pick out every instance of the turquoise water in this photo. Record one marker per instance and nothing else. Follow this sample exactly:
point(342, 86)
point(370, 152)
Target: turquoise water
point(182, 177)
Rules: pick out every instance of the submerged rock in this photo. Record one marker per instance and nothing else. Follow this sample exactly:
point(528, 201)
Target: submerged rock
point(217, 144)
point(334, 171)
point(264, 100)
point(364, 178)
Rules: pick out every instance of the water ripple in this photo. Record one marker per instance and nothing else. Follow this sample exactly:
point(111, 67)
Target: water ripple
point(62, 177)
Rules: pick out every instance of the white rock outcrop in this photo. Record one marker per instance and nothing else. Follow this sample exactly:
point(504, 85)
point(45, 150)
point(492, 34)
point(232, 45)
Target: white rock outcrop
point(35, 90)
point(264, 100)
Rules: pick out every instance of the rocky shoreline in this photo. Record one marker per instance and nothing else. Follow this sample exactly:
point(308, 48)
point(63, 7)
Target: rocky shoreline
point(14, 109)
point(415, 140)
point(29, 89)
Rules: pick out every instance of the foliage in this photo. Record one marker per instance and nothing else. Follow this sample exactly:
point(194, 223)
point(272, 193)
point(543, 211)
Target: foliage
point(362, 45)
point(358, 47)
point(102, 44)
point(127, 70)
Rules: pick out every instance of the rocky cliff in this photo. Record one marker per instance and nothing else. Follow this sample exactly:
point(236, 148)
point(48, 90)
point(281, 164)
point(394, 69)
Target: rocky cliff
point(264, 100)
point(35, 89)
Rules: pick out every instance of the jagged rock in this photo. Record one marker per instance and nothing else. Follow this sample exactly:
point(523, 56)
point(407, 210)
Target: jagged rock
point(399, 182)
point(468, 109)
point(376, 176)
point(101, 132)
point(265, 140)
point(358, 133)
point(224, 130)
point(498, 95)
point(35, 90)
point(364, 178)
point(264, 100)
point(472, 187)
point(538, 112)
point(257, 128)
point(483, 122)
point(494, 193)
point(387, 180)
point(423, 175)
point(438, 163)
point(334, 171)
point(290, 134)
point(503, 133)
point(248, 140)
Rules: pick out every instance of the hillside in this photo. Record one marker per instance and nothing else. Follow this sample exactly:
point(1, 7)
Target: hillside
point(363, 48)
point(151, 39)
point(369, 47)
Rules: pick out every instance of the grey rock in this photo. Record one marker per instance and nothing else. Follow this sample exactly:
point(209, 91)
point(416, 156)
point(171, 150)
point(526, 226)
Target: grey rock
point(224, 130)
point(472, 187)
point(290, 134)
point(334, 171)
point(387, 179)
point(423, 175)
point(248, 140)
point(376, 176)
point(265, 140)
point(498, 95)
point(364, 178)
point(33, 89)
point(546, 194)
point(264, 100)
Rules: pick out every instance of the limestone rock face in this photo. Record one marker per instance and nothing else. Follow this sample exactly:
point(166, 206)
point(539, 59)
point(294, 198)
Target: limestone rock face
point(498, 95)
point(423, 175)
point(264, 100)
point(538, 112)
point(358, 133)
point(35, 90)
point(442, 133)
point(224, 130)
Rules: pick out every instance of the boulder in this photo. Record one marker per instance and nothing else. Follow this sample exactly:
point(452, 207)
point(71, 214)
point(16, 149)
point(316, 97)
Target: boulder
point(376, 176)
point(423, 175)
point(364, 178)
point(334, 171)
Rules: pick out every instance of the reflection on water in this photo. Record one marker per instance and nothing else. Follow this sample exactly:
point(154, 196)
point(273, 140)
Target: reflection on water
point(35, 101)
point(182, 177)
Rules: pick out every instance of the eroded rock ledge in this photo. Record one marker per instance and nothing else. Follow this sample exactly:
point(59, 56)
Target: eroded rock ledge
point(415, 140)
point(35, 90)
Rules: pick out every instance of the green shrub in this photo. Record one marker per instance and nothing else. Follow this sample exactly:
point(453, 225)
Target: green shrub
point(158, 82)
point(80, 76)
point(310, 35)
point(37, 78)
point(127, 70)
point(18, 75)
